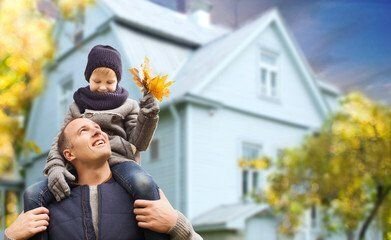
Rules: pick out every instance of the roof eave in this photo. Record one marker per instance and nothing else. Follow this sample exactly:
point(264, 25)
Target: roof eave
point(329, 88)
point(158, 33)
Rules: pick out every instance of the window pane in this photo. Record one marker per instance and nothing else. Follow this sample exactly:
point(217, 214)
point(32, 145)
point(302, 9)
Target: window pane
point(263, 81)
point(66, 96)
point(273, 84)
point(244, 182)
point(154, 150)
point(251, 151)
point(255, 181)
point(313, 216)
point(269, 58)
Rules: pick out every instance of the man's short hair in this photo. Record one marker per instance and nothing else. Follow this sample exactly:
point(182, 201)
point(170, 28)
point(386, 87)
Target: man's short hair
point(63, 141)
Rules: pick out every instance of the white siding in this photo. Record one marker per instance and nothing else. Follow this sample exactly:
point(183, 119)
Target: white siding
point(214, 178)
point(34, 173)
point(261, 228)
point(163, 169)
point(238, 84)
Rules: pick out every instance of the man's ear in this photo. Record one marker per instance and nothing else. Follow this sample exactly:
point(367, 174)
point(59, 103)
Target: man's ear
point(68, 154)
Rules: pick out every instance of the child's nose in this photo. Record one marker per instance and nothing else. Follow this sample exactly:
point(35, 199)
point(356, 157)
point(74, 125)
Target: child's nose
point(102, 88)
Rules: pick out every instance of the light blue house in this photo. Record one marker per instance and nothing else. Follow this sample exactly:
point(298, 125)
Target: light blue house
point(241, 93)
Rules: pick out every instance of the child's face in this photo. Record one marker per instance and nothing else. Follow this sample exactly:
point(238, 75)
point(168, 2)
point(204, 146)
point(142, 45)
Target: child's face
point(103, 80)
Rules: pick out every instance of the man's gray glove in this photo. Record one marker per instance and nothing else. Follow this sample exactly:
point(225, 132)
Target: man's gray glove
point(57, 183)
point(149, 106)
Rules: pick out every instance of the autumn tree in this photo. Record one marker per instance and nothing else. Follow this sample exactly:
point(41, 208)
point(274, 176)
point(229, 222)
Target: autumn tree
point(27, 45)
point(344, 169)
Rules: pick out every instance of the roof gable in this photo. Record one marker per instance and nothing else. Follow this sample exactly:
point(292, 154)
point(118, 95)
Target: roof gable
point(208, 62)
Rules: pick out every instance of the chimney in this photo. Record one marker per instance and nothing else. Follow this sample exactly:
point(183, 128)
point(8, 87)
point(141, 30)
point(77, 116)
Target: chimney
point(181, 6)
point(200, 12)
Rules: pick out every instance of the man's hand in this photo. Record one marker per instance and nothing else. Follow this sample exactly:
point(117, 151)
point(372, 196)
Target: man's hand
point(28, 224)
point(156, 215)
point(149, 106)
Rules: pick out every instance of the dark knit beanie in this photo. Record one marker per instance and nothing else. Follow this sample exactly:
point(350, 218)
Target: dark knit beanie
point(103, 56)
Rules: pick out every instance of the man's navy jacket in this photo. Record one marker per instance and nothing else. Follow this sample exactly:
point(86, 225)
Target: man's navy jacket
point(71, 218)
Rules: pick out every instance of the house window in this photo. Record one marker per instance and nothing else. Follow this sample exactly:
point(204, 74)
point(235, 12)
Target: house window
point(280, 153)
point(313, 216)
point(66, 92)
point(154, 150)
point(245, 182)
point(250, 176)
point(269, 82)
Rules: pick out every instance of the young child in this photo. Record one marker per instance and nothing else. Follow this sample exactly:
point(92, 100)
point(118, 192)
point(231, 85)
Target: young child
point(130, 128)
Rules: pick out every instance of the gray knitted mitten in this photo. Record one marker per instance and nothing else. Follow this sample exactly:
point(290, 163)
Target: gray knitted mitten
point(149, 106)
point(57, 183)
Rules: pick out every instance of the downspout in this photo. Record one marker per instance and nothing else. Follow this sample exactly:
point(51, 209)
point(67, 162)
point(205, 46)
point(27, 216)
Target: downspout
point(177, 145)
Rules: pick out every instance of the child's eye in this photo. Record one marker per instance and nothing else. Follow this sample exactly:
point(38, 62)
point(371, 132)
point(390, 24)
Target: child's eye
point(97, 81)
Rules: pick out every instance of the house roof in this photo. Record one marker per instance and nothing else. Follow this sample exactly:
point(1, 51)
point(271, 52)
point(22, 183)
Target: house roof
point(229, 217)
point(214, 48)
point(163, 22)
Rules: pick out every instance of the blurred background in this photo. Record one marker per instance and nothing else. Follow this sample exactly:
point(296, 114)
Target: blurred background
point(278, 125)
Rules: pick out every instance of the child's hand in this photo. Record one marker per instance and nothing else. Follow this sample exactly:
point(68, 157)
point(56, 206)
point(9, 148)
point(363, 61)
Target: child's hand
point(149, 106)
point(57, 183)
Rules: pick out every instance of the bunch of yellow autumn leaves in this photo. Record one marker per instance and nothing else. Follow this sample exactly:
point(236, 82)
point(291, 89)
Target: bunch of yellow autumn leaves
point(157, 85)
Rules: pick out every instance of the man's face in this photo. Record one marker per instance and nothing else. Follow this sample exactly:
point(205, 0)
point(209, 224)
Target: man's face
point(103, 80)
point(88, 143)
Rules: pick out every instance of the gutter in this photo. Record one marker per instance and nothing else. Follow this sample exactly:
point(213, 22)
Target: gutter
point(156, 33)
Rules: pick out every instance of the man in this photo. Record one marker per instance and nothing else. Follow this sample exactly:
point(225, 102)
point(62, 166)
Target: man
point(108, 216)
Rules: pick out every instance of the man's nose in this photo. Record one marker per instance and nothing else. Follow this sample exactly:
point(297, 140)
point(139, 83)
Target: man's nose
point(97, 132)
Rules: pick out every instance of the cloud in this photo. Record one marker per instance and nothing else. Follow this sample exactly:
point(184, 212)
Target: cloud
point(375, 81)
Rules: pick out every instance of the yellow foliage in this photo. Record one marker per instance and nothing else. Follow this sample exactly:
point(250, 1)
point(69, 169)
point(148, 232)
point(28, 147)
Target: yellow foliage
point(343, 168)
point(157, 85)
point(27, 46)
point(71, 8)
point(11, 208)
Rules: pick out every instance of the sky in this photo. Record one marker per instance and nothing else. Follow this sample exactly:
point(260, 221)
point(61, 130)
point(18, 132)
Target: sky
point(346, 42)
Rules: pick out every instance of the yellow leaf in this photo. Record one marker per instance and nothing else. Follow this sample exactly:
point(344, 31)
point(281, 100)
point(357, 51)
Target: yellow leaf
point(157, 85)
point(136, 77)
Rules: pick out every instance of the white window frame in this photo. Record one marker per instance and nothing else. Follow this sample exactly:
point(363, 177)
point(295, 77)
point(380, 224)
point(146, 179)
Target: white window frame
point(266, 90)
point(251, 171)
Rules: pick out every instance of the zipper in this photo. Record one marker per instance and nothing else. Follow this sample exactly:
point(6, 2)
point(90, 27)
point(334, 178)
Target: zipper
point(99, 212)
